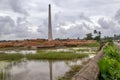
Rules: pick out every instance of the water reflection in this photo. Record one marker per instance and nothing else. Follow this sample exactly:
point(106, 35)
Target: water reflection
point(6, 73)
point(35, 70)
point(38, 70)
point(50, 68)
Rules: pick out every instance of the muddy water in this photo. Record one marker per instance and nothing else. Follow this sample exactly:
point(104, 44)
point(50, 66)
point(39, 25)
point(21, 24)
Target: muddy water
point(39, 70)
point(36, 70)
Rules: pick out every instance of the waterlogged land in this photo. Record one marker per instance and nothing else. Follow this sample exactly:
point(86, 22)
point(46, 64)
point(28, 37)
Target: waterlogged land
point(44, 64)
point(51, 54)
point(40, 70)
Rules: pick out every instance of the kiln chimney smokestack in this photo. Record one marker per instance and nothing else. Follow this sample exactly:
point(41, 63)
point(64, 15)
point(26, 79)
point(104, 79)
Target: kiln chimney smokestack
point(49, 25)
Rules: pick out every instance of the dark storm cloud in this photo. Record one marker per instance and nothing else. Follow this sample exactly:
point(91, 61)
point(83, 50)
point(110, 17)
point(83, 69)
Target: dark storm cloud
point(22, 28)
point(13, 5)
point(90, 7)
point(78, 30)
point(21, 25)
point(7, 25)
point(60, 19)
point(4, 4)
point(17, 6)
point(106, 24)
point(109, 26)
point(117, 16)
point(82, 16)
point(43, 29)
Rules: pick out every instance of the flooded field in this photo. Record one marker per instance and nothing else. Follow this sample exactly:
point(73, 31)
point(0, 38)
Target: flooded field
point(38, 70)
point(20, 51)
point(41, 69)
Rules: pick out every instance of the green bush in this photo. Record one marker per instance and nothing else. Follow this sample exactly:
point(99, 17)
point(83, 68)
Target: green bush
point(110, 64)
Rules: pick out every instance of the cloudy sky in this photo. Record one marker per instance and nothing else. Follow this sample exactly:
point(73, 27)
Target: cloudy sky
point(22, 19)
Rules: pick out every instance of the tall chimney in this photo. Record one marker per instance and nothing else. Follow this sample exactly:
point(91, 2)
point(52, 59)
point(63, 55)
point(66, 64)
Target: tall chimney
point(49, 25)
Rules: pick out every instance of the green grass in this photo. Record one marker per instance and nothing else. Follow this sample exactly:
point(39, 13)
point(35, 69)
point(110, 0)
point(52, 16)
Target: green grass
point(55, 56)
point(13, 48)
point(59, 52)
point(47, 55)
point(11, 56)
point(43, 55)
point(90, 45)
point(1, 76)
point(82, 50)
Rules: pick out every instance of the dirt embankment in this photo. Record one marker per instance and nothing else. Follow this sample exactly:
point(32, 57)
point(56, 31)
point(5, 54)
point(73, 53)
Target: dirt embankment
point(44, 43)
point(91, 70)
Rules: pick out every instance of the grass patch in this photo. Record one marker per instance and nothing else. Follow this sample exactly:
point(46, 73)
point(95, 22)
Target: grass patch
point(56, 56)
point(11, 56)
point(48, 55)
point(83, 50)
point(13, 48)
point(59, 52)
point(1, 76)
point(96, 44)
point(74, 69)
point(68, 75)
point(43, 55)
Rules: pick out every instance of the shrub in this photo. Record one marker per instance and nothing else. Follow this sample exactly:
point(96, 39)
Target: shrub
point(110, 64)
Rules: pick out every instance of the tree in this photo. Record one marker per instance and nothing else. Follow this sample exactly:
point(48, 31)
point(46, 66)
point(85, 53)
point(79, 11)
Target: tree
point(108, 39)
point(95, 31)
point(98, 38)
point(98, 35)
point(89, 36)
point(99, 32)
